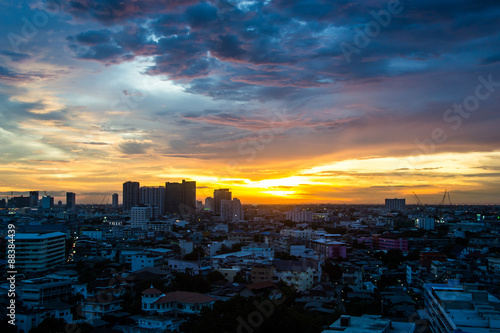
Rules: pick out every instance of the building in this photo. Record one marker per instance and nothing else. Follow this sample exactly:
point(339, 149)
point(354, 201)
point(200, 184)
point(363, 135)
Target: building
point(494, 264)
point(70, 200)
point(180, 198)
point(231, 210)
point(101, 305)
point(461, 308)
point(300, 274)
point(20, 202)
point(140, 216)
point(26, 319)
point(114, 202)
point(177, 302)
point(329, 248)
point(39, 291)
point(141, 261)
point(153, 196)
point(369, 324)
point(39, 252)
point(130, 195)
point(210, 204)
point(398, 205)
point(298, 215)
point(47, 202)
point(219, 195)
point(390, 242)
point(426, 223)
point(34, 199)
point(261, 273)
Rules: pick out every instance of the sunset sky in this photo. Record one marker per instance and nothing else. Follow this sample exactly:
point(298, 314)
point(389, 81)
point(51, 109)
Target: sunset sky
point(283, 101)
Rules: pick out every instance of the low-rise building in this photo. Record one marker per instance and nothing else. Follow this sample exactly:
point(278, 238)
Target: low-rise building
point(155, 301)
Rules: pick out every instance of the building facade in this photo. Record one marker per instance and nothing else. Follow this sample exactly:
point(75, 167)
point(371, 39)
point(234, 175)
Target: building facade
point(130, 195)
point(39, 252)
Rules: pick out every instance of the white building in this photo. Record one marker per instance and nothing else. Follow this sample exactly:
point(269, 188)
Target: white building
point(140, 216)
point(369, 324)
point(426, 223)
point(140, 261)
point(461, 308)
point(39, 252)
point(299, 215)
point(183, 302)
point(231, 210)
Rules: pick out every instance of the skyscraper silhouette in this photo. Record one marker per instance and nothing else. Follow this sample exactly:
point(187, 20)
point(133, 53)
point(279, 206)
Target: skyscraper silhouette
point(130, 195)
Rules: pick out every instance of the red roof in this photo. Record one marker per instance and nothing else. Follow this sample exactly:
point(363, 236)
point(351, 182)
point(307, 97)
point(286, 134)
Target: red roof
point(185, 297)
point(261, 285)
point(152, 291)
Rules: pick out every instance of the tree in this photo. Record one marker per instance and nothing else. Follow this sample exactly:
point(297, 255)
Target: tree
point(214, 276)
point(50, 325)
point(196, 254)
point(334, 272)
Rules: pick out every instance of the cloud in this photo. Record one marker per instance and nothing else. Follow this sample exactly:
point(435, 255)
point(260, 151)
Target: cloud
point(134, 147)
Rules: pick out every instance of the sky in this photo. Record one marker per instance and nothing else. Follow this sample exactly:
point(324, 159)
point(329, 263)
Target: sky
point(283, 101)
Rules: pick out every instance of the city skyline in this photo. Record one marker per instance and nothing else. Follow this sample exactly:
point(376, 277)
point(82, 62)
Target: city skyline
point(282, 102)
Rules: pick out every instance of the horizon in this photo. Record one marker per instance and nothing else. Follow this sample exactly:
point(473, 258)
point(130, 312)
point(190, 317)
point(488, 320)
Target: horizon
point(283, 102)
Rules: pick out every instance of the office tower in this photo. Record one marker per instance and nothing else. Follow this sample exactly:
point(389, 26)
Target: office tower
point(153, 196)
point(115, 200)
point(231, 210)
point(70, 200)
point(47, 202)
point(39, 252)
point(209, 204)
point(220, 194)
point(141, 216)
point(180, 197)
point(130, 195)
point(395, 204)
point(34, 199)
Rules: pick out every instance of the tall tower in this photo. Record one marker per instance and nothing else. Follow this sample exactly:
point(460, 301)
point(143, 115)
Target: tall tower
point(115, 200)
point(153, 196)
point(130, 195)
point(180, 197)
point(34, 199)
point(220, 194)
point(70, 200)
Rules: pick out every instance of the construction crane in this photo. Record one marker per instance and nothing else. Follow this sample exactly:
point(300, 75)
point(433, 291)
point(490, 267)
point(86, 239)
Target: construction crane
point(419, 203)
point(446, 194)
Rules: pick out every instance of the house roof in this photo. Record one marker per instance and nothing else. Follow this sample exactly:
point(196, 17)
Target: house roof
point(261, 285)
point(185, 297)
point(152, 291)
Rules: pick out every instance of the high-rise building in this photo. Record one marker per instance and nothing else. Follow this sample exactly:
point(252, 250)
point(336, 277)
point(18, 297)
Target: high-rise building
point(47, 202)
point(141, 216)
point(426, 223)
point(153, 196)
point(209, 204)
point(70, 200)
point(34, 199)
point(114, 201)
point(20, 202)
point(395, 204)
point(220, 194)
point(180, 198)
point(130, 195)
point(231, 210)
point(39, 252)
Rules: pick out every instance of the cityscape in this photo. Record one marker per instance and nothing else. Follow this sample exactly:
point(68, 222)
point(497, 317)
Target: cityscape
point(249, 166)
